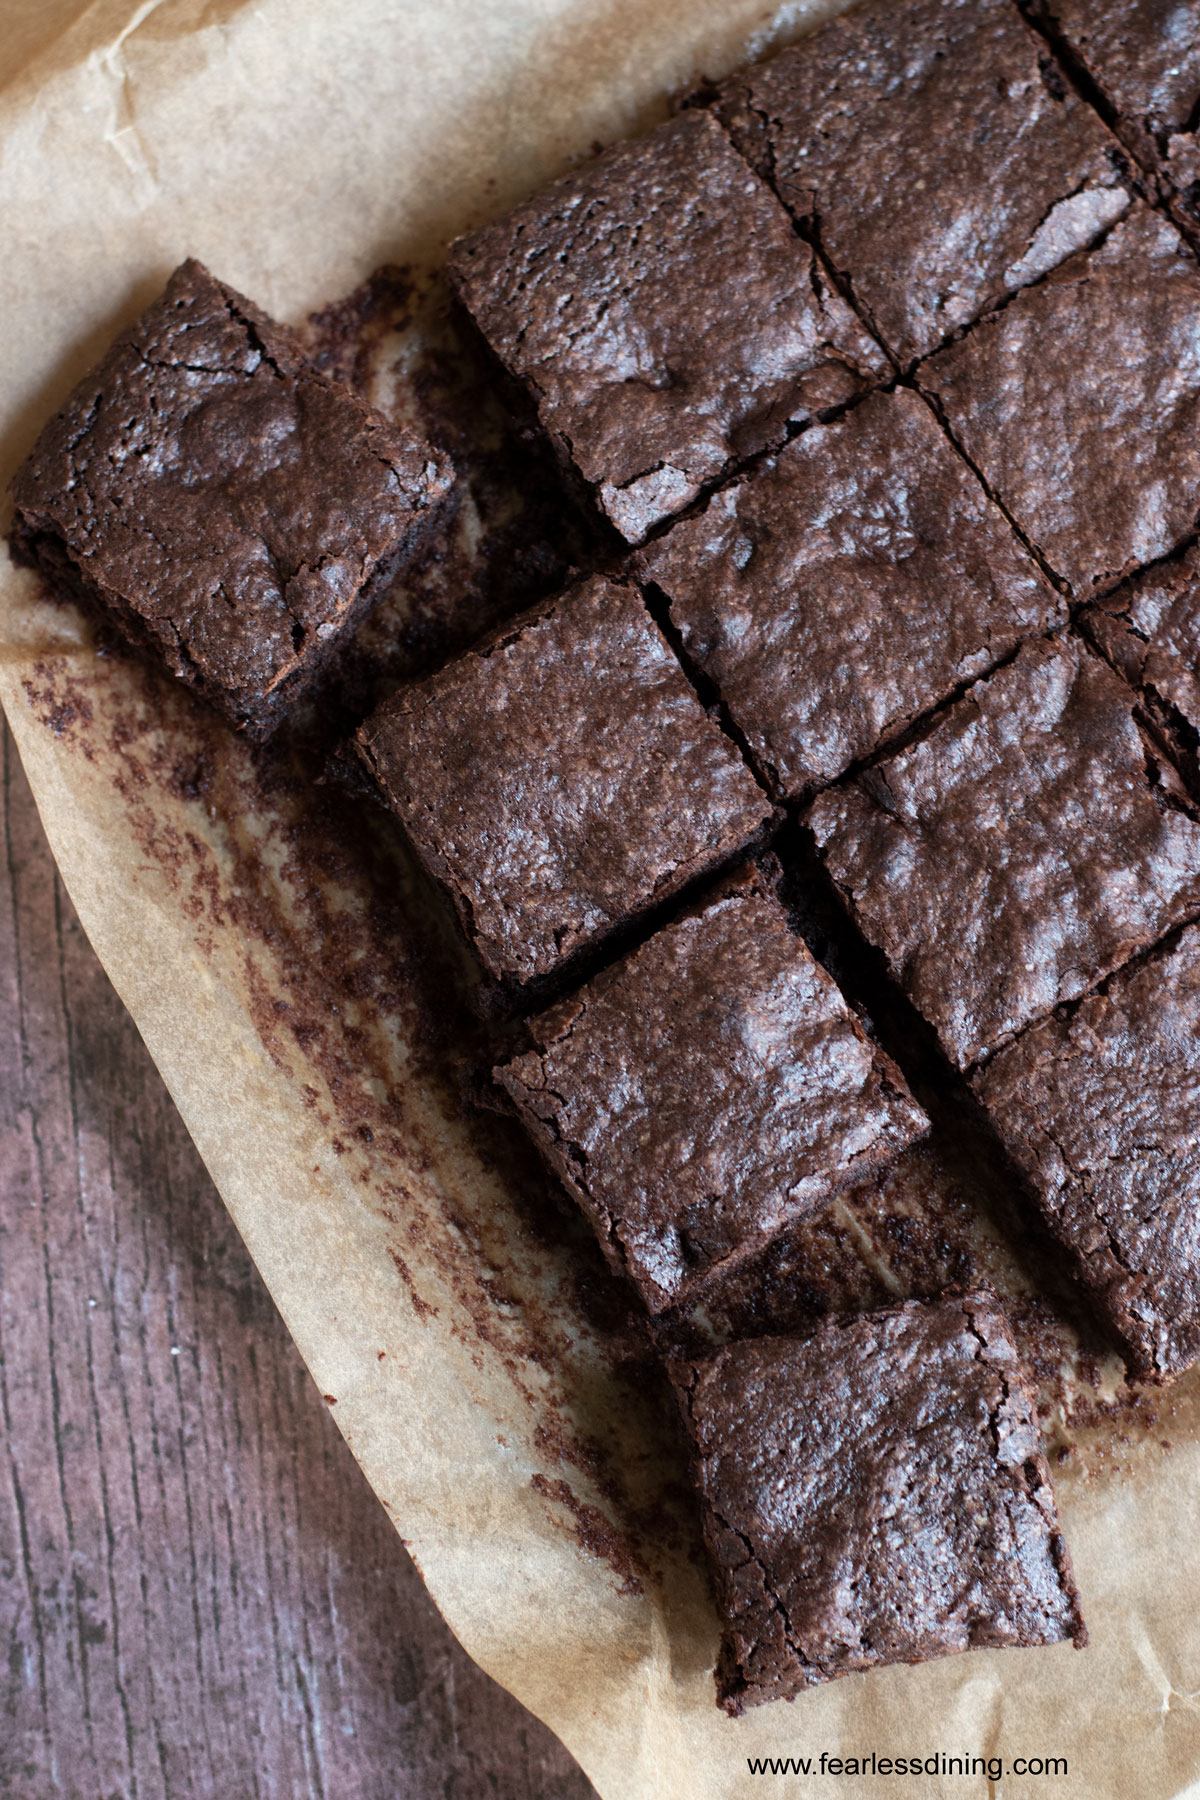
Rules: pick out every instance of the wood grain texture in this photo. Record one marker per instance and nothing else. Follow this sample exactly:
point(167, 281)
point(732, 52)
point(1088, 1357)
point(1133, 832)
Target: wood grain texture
point(199, 1594)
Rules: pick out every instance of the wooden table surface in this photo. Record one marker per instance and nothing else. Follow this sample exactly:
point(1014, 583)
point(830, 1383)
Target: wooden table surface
point(199, 1594)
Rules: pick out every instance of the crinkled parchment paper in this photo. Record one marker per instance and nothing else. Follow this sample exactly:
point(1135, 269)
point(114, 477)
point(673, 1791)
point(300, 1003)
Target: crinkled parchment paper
point(292, 991)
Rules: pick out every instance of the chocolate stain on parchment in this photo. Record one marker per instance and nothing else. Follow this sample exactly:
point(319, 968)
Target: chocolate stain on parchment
point(360, 989)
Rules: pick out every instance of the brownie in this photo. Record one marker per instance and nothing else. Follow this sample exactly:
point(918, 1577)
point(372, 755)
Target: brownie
point(1080, 403)
point(1144, 59)
point(561, 779)
point(1100, 1110)
point(221, 501)
point(664, 316)
point(845, 587)
point(707, 1091)
point(938, 154)
point(1031, 843)
point(1150, 630)
point(876, 1493)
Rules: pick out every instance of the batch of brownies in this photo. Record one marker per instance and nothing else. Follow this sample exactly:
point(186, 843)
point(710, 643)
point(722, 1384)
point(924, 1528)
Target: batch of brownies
point(880, 365)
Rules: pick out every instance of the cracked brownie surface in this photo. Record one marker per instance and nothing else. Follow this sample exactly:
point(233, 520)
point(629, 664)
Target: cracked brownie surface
point(1100, 1110)
point(708, 1090)
point(220, 499)
point(938, 153)
point(1150, 630)
point(876, 1493)
point(846, 587)
point(1080, 403)
point(665, 317)
point(1034, 841)
point(561, 779)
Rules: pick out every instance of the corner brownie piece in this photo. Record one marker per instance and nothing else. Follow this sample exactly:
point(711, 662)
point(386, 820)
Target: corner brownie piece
point(708, 1090)
point(1100, 1109)
point(222, 501)
point(1080, 404)
point(1150, 630)
point(664, 316)
point(875, 1494)
point(1145, 61)
point(937, 152)
point(561, 779)
point(1033, 842)
point(846, 587)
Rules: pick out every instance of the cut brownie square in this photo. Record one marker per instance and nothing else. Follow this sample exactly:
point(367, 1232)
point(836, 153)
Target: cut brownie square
point(937, 152)
point(1080, 404)
point(223, 502)
point(845, 587)
point(664, 316)
point(561, 779)
point(1150, 630)
point(1145, 61)
point(875, 1494)
point(1100, 1109)
point(707, 1091)
point(1033, 842)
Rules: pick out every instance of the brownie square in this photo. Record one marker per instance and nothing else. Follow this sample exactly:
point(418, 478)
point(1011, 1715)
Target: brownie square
point(1080, 404)
point(846, 587)
point(1144, 60)
point(664, 316)
point(561, 779)
point(708, 1090)
point(1033, 842)
point(937, 152)
point(1150, 630)
point(1100, 1110)
point(221, 501)
point(875, 1494)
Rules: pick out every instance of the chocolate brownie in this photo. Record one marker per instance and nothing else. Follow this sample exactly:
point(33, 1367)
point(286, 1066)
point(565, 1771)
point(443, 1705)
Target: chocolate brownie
point(1080, 403)
point(561, 779)
point(708, 1090)
point(876, 1493)
point(847, 586)
point(1145, 61)
point(1100, 1109)
point(223, 502)
point(664, 316)
point(1150, 630)
point(1036, 839)
point(938, 154)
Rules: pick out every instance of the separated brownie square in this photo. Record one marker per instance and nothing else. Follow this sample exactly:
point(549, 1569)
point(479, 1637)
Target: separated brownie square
point(664, 316)
point(223, 502)
point(937, 152)
point(708, 1090)
point(845, 587)
point(1034, 841)
point(1144, 61)
point(1150, 630)
point(1080, 404)
point(876, 1493)
point(561, 779)
point(1100, 1109)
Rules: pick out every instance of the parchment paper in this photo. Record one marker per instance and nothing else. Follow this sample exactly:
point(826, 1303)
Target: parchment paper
point(295, 145)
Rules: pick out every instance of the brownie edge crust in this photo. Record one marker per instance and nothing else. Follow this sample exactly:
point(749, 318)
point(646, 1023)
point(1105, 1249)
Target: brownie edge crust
point(876, 1493)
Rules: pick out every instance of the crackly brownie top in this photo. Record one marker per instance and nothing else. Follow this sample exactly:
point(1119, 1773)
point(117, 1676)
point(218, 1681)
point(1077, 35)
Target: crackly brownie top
point(664, 314)
point(226, 499)
point(1030, 844)
point(1145, 57)
point(1080, 403)
point(707, 1090)
point(939, 153)
point(1101, 1109)
point(875, 1494)
point(561, 778)
point(846, 587)
point(1150, 629)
